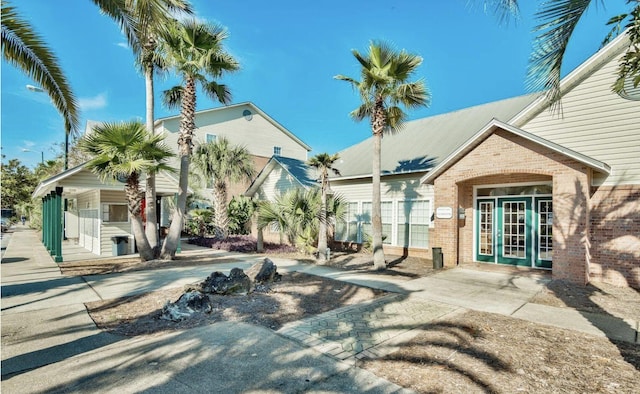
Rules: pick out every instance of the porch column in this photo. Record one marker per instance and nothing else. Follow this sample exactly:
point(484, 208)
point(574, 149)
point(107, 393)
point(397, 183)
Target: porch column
point(44, 221)
point(57, 230)
point(571, 227)
point(446, 229)
point(48, 218)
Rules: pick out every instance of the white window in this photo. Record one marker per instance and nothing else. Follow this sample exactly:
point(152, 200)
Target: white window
point(277, 150)
point(348, 231)
point(413, 223)
point(115, 213)
point(211, 138)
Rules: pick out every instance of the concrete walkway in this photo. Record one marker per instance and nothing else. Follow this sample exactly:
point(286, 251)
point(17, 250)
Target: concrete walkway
point(50, 344)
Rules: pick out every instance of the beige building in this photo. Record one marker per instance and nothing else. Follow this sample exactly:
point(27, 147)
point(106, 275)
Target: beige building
point(512, 182)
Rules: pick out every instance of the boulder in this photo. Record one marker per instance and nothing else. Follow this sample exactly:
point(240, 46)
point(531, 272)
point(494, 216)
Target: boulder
point(218, 283)
point(265, 272)
point(188, 304)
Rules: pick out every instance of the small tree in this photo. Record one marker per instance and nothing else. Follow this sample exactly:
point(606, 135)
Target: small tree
point(323, 162)
point(222, 163)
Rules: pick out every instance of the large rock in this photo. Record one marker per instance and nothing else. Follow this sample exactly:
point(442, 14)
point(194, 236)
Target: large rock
point(189, 303)
point(218, 283)
point(264, 272)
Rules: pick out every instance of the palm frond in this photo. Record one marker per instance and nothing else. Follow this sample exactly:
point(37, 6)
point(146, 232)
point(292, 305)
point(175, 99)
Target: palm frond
point(25, 49)
point(558, 21)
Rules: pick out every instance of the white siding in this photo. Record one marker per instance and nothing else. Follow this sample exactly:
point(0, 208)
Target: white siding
point(401, 193)
point(258, 135)
point(277, 183)
point(108, 230)
point(598, 123)
point(397, 187)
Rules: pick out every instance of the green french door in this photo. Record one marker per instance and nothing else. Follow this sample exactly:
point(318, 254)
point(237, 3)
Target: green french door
point(514, 241)
point(514, 231)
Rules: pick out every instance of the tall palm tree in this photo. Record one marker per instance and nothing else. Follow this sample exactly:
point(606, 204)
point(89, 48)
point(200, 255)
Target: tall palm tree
point(26, 50)
point(195, 51)
point(557, 22)
point(125, 151)
point(223, 163)
point(384, 87)
point(323, 162)
point(143, 22)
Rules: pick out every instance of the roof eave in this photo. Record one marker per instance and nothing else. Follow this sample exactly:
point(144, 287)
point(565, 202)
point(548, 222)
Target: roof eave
point(496, 124)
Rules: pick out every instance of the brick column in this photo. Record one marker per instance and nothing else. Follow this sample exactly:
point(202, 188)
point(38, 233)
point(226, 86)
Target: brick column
point(446, 230)
point(571, 227)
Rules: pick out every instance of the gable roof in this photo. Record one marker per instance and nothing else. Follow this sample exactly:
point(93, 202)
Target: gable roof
point(256, 109)
point(424, 143)
point(489, 129)
point(48, 185)
point(298, 169)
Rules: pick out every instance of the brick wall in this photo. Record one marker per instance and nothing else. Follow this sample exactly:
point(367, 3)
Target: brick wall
point(506, 158)
point(615, 235)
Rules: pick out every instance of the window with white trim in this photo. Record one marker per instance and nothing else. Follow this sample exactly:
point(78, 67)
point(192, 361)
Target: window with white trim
point(348, 230)
point(211, 138)
point(413, 223)
point(277, 150)
point(115, 213)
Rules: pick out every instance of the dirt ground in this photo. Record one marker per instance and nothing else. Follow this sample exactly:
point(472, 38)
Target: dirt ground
point(468, 352)
point(477, 352)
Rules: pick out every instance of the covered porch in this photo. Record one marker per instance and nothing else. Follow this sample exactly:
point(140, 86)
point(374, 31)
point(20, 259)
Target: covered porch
point(93, 215)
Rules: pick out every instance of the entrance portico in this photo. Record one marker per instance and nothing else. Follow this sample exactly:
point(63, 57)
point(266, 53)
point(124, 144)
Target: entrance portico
point(520, 200)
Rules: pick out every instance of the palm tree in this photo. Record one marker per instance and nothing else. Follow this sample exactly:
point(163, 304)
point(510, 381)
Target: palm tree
point(194, 50)
point(384, 87)
point(323, 162)
point(124, 151)
point(26, 50)
point(557, 22)
point(222, 163)
point(143, 22)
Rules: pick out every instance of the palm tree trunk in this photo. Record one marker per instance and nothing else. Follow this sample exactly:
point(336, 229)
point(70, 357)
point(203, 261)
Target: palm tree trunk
point(177, 222)
point(134, 198)
point(185, 139)
point(322, 230)
point(151, 229)
point(378, 122)
point(221, 219)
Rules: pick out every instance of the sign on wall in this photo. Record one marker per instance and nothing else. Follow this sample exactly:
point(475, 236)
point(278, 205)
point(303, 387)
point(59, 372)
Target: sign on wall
point(444, 212)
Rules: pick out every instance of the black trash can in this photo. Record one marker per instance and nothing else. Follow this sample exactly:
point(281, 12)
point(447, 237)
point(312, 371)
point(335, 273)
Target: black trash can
point(119, 245)
point(437, 258)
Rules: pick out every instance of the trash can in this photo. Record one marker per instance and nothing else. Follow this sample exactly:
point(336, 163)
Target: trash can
point(119, 245)
point(437, 258)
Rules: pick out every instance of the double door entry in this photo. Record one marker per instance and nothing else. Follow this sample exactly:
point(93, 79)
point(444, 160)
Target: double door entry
point(515, 231)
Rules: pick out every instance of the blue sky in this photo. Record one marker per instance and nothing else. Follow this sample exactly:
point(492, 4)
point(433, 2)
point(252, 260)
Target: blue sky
point(289, 52)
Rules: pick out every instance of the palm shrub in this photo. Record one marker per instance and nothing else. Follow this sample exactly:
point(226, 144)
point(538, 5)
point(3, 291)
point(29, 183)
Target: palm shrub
point(296, 216)
point(200, 222)
point(240, 210)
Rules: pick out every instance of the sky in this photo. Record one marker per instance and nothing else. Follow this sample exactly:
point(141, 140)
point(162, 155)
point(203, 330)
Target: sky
point(289, 52)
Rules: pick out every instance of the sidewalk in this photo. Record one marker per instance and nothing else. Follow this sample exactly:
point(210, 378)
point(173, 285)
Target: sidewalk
point(49, 343)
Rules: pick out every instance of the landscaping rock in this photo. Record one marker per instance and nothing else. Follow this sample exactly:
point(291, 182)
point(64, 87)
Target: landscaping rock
point(218, 283)
point(264, 272)
point(188, 304)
